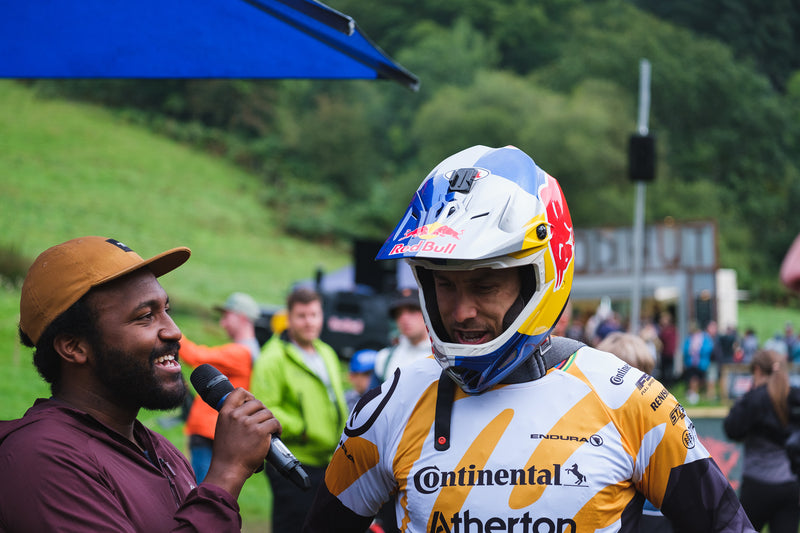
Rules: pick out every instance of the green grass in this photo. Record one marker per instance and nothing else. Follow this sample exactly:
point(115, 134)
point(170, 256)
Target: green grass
point(766, 320)
point(71, 170)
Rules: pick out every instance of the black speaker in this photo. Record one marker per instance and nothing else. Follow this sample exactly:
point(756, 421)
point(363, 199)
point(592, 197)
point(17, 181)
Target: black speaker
point(642, 158)
point(381, 276)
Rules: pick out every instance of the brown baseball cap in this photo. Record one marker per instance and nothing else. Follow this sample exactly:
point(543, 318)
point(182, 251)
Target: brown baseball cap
point(61, 275)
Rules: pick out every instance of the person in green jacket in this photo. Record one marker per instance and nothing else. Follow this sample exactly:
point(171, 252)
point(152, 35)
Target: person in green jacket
point(301, 379)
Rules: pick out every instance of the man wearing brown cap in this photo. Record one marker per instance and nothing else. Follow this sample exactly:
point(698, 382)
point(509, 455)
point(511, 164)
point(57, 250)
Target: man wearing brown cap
point(80, 460)
point(234, 359)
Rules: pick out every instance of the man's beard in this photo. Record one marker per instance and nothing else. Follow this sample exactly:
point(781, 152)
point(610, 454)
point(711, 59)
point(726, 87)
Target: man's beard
point(132, 380)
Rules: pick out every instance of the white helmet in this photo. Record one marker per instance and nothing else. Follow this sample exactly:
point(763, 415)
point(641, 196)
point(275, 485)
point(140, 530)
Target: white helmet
point(489, 208)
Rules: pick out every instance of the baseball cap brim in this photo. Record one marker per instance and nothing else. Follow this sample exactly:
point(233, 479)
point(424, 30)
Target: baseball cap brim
point(62, 274)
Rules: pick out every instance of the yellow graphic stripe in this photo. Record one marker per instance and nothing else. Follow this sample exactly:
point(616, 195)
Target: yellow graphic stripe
point(607, 504)
point(451, 499)
point(410, 447)
point(656, 476)
point(545, 315)
point(361, 452)
point(590, 414)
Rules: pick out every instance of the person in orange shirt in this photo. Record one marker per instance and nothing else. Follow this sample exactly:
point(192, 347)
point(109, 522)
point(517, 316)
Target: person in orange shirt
point(234, 359)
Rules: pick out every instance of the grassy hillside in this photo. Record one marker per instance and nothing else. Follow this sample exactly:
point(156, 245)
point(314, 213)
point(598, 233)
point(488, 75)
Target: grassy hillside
point(71, 170)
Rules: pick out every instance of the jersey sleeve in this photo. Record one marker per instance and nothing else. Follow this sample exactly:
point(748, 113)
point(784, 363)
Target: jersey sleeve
point(329, 515)
point(672, 468)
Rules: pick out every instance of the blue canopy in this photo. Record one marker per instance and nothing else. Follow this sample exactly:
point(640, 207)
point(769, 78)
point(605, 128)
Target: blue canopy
point(187, 39)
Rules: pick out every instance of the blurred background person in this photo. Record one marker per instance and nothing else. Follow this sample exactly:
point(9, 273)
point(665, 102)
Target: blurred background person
point(714, 362)
point(697, 350)
point(749, 345)
point(792, 342)
point(412, 341)
point(763, 419)
point(634, 350)
point(360, 374)
point(301, 376)
point(729, 344)
point(649, 334)
point(668, 335)
point(630, 348)
point(235, 359)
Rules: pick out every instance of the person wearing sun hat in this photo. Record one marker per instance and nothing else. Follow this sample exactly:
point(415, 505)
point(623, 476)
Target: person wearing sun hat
point(234, 359)
point(99, 323)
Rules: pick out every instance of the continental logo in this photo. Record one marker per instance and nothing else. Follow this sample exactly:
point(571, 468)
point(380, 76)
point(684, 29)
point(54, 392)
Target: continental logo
point(594, 440)
point(464, 523)
point(431, 479)
point(656, 403)
point(619, 377)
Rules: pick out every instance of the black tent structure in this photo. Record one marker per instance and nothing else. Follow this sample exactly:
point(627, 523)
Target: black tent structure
point(188, 39)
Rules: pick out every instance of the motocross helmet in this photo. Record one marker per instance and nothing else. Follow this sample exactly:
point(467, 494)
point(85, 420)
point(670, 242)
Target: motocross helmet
point(489, 208)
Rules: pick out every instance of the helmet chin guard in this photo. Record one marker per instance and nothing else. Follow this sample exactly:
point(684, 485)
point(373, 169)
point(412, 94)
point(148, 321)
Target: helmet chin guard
point(489, 208)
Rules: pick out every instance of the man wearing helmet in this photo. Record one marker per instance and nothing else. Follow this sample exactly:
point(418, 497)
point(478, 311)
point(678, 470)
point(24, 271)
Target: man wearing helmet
point(512, 430)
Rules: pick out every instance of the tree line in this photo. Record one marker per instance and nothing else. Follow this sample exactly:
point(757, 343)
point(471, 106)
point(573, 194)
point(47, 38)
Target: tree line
point(557, 78)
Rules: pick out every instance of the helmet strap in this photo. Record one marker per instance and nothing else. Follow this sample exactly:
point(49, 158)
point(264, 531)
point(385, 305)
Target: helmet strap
point(548, 354)
point(445, 396)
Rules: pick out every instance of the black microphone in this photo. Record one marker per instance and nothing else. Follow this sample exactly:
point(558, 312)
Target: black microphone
point(213, 387)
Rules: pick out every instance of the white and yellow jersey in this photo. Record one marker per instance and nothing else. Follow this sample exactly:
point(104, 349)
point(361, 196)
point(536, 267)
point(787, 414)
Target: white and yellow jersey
point(575, 451)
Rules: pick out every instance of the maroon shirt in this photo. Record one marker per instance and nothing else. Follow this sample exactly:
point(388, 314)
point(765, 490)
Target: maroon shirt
point(62, 470)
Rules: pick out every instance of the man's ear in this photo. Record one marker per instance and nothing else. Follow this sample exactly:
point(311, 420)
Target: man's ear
point(71, 348)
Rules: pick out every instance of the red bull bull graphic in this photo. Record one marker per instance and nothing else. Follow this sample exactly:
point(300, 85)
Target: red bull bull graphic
point(432, 231)
point(562, 242)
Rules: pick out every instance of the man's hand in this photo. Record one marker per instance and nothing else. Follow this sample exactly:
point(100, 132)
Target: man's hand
point(241, 440)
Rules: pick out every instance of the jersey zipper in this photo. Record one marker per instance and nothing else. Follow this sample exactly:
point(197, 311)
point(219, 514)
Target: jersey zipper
point(169, 473)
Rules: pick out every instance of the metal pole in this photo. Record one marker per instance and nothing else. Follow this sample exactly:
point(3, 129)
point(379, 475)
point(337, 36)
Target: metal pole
point(641, 192)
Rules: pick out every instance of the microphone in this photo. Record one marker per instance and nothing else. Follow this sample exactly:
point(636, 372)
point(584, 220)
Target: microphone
point(213, 387)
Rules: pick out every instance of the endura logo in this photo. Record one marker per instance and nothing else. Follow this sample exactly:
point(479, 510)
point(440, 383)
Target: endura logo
point(619, 377)
point(594, 440)
point(464, 523)
point(430, 479)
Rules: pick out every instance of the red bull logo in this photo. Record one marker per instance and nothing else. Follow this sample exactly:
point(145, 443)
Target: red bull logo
point(424, 246)
point(562, 242)
point(432, 231)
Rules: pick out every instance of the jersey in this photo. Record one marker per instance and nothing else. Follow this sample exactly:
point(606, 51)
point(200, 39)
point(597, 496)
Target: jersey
point(575, 451)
